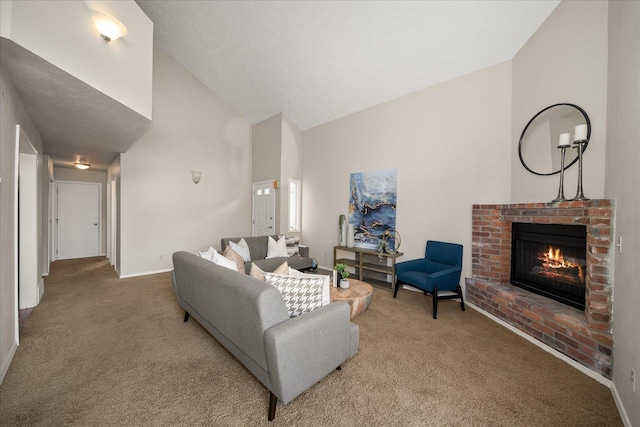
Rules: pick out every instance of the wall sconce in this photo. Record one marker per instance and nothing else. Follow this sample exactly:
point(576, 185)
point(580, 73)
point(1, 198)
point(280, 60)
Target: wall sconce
point(196, 175)
point(82, 164)
point(109, 27)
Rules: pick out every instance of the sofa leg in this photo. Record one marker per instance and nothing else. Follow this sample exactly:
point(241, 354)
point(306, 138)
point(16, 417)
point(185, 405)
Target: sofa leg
point(186, 316)
point(339, 368)
point(273, 400)
point(461, 299)
point(435, 302)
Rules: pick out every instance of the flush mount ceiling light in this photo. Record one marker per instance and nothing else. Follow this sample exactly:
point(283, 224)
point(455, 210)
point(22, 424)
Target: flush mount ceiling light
point(82, 164)
point(109, 27)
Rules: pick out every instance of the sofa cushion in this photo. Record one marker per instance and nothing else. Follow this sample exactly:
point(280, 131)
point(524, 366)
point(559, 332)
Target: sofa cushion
point(277, 249)
point(257, 273)
point(326, 292)
point(237, 259)
point(208, 255)
point(242, 249)
point(300, 294)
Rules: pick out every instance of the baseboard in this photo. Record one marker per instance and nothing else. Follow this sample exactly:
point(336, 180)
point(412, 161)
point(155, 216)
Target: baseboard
point(7, 363)
point(588, 372)
point(148, 273)
point(623, 413)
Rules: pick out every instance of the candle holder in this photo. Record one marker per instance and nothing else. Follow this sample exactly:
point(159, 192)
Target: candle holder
point(560, 197)
point(579, 145)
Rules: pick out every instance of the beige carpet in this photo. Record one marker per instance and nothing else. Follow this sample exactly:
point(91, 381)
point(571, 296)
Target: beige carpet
point(102, 351)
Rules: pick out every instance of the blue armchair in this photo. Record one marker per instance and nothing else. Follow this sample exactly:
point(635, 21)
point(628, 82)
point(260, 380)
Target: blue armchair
point(438, 271)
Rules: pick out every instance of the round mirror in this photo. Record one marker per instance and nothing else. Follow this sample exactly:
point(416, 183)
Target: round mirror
point(538, 147)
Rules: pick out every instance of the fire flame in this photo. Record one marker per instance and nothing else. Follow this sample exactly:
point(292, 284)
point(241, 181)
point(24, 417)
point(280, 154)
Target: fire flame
point(553, 259)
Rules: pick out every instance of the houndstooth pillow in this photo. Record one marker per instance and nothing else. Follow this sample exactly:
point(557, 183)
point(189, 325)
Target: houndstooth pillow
point(300, 294)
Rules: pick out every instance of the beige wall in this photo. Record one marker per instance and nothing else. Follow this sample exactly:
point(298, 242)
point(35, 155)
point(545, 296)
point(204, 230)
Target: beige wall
point(100, 177)
point(266, 150)
point(291, 167)
point(564, 61)
point(47, 27)
point(450, 144)
point(13, 112)
point(622, 185)
point(161, 209)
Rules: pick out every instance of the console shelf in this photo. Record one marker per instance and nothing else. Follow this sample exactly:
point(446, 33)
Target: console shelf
point(363, 265)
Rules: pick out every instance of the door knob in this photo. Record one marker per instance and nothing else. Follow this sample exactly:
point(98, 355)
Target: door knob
point(95, 223)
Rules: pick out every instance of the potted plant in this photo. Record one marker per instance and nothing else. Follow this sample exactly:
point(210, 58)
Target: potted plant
point(343, 273)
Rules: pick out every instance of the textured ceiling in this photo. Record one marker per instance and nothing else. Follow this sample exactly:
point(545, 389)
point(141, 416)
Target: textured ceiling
point(316, 61)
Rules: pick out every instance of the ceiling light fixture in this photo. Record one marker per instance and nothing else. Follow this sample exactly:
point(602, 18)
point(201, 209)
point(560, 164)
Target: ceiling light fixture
point(109, 27)
point(82, 164)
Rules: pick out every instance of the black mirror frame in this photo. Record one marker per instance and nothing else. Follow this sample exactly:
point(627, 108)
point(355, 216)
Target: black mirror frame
point(586, 116)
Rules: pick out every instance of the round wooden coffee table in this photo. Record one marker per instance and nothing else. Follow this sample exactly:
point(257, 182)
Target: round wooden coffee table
point(359, 296)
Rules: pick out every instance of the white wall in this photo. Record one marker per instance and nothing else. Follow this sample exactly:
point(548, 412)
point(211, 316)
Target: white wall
point(290, 167)
point(100, 177)
point(63, 33)
point(451, 146)
point(564, 61)
point(161, 209)
point(622, 185)
point(13, 112)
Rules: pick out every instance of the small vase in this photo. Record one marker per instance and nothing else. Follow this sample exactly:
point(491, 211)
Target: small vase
point(343, 235)
point(350, 236)
point(344, 284)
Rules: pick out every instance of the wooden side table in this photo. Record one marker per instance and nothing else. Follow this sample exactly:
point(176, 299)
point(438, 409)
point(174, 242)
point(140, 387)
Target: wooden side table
point(359, 296)
point(358, 262)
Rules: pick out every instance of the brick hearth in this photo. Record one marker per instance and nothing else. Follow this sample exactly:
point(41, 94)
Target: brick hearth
point(584, 336)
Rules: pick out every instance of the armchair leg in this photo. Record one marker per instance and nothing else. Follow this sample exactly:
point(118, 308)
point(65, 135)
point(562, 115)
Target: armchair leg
point(461, 299)
point(186, 316)
point(395, 291)
point(273, 400)
point(435, 302)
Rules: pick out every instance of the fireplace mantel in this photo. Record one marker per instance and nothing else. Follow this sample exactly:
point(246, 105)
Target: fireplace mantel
point(583, 336)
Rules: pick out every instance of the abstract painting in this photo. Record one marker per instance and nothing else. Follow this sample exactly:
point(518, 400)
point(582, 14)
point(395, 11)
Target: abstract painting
point(372, 206)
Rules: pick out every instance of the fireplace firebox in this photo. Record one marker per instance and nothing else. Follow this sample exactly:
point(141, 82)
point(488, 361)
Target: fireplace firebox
point(550, 260)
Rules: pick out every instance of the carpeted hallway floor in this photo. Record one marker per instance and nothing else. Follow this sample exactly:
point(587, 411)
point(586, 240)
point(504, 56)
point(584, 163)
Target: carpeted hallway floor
point(102, 351)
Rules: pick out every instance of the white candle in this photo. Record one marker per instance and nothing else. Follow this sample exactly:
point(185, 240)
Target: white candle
point(565, 140)
point(581, 133)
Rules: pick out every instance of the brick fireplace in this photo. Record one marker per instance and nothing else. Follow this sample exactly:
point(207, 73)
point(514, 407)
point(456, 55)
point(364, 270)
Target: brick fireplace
point(584, 336)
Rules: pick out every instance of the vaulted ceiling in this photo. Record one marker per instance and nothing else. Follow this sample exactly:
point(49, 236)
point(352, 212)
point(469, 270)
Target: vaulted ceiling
point(316, 61)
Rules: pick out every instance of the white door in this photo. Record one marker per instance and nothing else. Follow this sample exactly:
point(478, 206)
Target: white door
point(264, 208)
point(78, 220)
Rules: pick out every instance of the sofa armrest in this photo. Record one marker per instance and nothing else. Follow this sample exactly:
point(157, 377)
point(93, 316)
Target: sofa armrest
point(303, 350)
point(304, 250)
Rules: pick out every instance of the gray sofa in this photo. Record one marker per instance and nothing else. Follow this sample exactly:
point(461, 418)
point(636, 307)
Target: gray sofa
point(250, 319)
point(258, 247)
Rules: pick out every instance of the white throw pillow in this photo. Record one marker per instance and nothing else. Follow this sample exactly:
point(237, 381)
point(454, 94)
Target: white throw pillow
point(326, 293)
point(277, 249)
point(208, 255)
point(242, 249)
point(224, 262)
point(300, 294)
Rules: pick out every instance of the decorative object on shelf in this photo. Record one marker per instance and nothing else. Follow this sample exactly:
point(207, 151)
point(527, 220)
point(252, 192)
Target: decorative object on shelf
point(563, 143)
point(342, 230)
point(372, 206)
point(343, 274)
point(537, 147)
point(350, 236)
point(581, 139)
point(384, 246)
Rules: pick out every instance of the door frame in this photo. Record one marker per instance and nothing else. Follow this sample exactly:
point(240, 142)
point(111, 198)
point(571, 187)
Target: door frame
point(100, 222)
